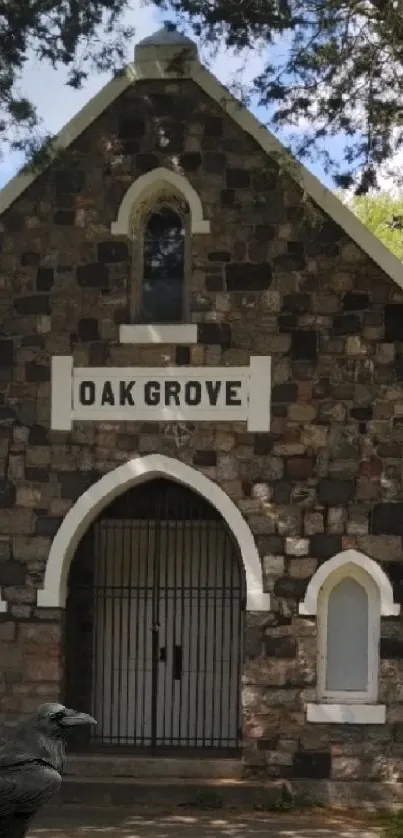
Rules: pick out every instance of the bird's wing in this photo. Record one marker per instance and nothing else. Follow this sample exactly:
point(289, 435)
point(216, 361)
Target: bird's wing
point(14, 753)
point(8, 795)
point(27, 787)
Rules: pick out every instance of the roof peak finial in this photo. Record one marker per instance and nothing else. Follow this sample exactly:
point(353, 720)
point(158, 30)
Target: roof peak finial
point(167, 40)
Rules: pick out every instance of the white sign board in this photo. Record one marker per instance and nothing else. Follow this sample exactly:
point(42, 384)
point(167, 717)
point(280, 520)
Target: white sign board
point(161, 394)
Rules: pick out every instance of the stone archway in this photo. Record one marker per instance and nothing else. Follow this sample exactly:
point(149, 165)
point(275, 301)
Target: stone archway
point(117, 481)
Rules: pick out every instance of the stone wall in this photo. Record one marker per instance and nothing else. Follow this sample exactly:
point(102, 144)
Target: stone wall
point(274, 277)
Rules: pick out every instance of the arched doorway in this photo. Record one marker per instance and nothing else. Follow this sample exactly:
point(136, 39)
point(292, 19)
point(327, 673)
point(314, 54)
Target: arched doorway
point(154, 623)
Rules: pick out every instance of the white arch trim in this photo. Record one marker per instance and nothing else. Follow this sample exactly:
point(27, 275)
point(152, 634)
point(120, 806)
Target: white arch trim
point(309, 606)
point(139, 470)
point(150, 183)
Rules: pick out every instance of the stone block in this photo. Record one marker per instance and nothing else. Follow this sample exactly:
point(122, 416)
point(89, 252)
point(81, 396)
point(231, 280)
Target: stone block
point(16, 521)
point(289, 520)
point(32, 305)
point(227, 467)
point(112, 252)
point(391, 648)
point(205, 458)
point(387, 518)
point(358, 520)
point(42, 669)
point(7, 494)
point(298, 303)
point(385, 353)
point(237, 178)
point(334, 492)
point(290, 587)
point(313, 523)
point(262, 444)
point(7, 631)
point(273, 565)
point(312, 765)
point(332, 412)
point(215, 333)
point(47, 526)
point(35, 636)
point(336, 520)
point(355, 301)
point(28, 497)
point(248, 276)
point(300, 468)
point(302, 568)
point(285, 393)
point(44, 278)
point(37, 372)
point(34, 547)
point(270, 544)
point(386, 548)
point(280, 647)
point(393, 322)
point(5, 548)
point(88, 329)
point(263, 524)
point(92, 275)
point(6, 353)
point(300, 412)
point(295, 546)
point(304, 345)
point(12, 573)
point(325, 545)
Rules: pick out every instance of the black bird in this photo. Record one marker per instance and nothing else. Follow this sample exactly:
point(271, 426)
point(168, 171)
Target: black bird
point(31, 765)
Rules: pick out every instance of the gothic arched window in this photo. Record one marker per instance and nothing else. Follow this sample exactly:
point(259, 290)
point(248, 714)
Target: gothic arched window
point(162, 294)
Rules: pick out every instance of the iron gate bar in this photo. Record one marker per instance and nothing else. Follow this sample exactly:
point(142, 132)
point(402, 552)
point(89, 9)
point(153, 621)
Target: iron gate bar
point(167, 623)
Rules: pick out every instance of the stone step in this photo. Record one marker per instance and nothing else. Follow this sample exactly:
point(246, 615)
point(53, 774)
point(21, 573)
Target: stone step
point(108, 765)
point(201, 793)
point(226, 793)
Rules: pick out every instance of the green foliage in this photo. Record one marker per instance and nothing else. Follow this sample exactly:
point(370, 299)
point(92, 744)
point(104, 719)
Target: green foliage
point(383, 215)
point(334, 66)
point(83, 37)
point(393, 824)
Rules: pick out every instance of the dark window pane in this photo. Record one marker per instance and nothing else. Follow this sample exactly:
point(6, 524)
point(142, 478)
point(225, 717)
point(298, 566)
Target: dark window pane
point(164, 263)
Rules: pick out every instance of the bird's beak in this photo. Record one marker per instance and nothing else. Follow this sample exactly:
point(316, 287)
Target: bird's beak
point(74, 719)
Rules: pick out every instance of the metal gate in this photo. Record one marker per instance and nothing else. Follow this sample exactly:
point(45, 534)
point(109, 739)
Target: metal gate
point(166, 617)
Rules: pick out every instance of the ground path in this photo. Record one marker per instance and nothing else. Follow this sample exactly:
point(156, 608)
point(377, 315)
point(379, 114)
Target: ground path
point(79, 822)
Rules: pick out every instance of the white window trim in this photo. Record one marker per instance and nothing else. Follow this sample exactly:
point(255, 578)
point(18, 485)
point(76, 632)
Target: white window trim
point(144, 333)
point(369, 695)
point(150, 185)
point(309, 606)
point(347, 714)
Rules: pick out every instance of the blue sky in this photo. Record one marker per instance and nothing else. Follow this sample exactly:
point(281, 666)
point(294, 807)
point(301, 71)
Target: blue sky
point(57, 103)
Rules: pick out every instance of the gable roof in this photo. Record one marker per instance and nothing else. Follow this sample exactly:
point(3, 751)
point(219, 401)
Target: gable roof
point(154, 60)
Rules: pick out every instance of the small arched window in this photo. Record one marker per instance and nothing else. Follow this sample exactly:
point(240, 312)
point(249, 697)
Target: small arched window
point(348, 638)
point(348, 594)
point(162, 297)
